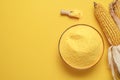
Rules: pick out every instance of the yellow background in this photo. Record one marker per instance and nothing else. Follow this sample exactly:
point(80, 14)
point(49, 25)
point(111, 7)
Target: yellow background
point(29, 35)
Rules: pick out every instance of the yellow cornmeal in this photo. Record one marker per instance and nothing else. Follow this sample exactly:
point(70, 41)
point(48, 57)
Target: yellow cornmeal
point(81, 46)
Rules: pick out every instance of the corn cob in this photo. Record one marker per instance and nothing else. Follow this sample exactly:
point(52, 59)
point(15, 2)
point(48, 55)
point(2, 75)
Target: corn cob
point(107, 24)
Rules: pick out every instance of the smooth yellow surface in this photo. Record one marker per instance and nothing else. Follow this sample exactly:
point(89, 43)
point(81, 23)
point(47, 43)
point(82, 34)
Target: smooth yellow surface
point(81, 46)
point(29, 34)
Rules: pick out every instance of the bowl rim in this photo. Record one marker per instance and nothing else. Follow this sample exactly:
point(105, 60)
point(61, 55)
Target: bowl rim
point(83, 68)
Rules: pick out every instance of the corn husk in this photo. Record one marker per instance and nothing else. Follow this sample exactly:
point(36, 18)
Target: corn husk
point(114, 61)
point(115, 11)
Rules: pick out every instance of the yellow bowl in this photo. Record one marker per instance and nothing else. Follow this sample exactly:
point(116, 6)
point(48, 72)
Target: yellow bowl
point(81, 46)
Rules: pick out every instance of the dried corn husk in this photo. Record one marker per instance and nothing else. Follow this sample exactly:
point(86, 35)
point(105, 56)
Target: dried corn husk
point(114, 61)
point(115, 11)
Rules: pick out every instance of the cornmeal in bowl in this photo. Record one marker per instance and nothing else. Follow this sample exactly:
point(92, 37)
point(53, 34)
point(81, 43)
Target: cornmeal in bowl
point(81, 46)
